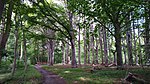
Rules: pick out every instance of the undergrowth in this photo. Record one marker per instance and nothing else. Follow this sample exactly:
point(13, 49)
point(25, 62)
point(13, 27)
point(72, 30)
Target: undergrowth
point(31, 76)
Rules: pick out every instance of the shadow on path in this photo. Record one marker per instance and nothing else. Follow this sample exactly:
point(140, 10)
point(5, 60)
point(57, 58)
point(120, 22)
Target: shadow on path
point(49, 77)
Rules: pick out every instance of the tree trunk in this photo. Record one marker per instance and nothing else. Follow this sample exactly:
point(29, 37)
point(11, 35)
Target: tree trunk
point(89, 53)
point(92, 44)
point(79, 52)
point(135, 49)
point(24, 50)
point(63, 53)
point(21, 50)
point(72, 41)
point(101, 45)
point(6, 33)
point(43, 51)
point(89, 47)
point(50, 52)
point(105, 46)
point(147, 30)
point(85, 47)
point(36, 49)
point(139, 47)
point(129, 42)
point(67, 54)
point(73, 61)
point(96, 61)
point(118, 45)
point(124, 51)
point(15, 48)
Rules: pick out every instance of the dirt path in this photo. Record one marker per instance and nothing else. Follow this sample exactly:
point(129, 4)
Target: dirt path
point(49, 77)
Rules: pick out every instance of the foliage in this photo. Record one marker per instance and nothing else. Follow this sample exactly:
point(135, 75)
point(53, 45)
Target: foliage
point(5, 67)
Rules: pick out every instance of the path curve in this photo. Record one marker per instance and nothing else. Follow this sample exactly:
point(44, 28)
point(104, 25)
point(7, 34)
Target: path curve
point(49, 77)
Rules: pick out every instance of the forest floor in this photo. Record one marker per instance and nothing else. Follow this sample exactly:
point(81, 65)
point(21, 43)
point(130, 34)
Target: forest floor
point(103, 75)
point(49, 77)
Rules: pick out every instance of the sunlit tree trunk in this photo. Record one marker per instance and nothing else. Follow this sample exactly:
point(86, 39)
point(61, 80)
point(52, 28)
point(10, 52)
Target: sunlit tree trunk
point(134, 38)
point(15, 48)
point(6, 33)
point(21, 50)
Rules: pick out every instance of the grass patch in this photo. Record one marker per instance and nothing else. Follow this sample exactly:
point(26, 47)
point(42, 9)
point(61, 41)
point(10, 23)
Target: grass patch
point(32, 76)
point(84, 76)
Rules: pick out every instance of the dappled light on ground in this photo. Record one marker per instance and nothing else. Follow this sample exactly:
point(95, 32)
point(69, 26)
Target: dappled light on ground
point(84, 79)
point(67, 72)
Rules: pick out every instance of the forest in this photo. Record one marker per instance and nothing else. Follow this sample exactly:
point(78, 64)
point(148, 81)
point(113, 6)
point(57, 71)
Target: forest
point(74, 41)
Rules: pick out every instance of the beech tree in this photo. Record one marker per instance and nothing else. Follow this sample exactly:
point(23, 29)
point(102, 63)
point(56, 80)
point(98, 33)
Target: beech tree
point(7, 29)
